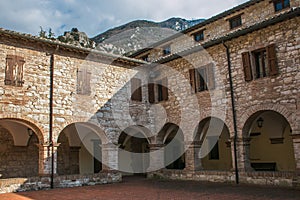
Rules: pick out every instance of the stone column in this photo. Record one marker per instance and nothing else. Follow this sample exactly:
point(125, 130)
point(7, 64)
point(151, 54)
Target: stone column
point(192, 156)
point(243, 152)
point(110, 156)
point(296, 144)
point(157, 157)
point(45, 158)
point(74, 160)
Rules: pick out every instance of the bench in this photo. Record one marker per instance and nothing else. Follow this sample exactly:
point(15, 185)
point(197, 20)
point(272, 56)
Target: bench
point(264, 166)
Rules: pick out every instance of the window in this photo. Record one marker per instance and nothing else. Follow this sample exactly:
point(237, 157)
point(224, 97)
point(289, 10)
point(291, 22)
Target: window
point(281, 4)
point(260, 63)
point(83, 82)
point(159, 90)
point(167, 50)
point(199, 36)
point(235, 21)
point(136, 89)
point(14, 70)
point(202, 79)
point(145, 58)
point(214, 153)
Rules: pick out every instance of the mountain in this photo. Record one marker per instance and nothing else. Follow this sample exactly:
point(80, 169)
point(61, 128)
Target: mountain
point(139, 34)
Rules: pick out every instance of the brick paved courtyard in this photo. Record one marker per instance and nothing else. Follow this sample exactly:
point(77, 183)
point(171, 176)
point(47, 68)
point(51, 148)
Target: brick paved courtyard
point(140, 188)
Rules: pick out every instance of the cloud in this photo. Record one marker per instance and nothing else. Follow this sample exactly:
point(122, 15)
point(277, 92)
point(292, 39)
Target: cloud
point(96, 16)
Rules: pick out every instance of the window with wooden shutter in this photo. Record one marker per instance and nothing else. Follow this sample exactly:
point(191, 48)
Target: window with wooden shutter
point(271, 56)
point(151, 93)
point(83, 82)
point(136, 89)
point(247, 66)
point(201, 79)
point(14, 70)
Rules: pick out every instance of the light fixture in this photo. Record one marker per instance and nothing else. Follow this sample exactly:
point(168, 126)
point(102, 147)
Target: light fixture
point(30, 132)
point(260, 122)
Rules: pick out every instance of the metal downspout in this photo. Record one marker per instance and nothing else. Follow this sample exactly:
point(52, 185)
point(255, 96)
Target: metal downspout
point(233, 113)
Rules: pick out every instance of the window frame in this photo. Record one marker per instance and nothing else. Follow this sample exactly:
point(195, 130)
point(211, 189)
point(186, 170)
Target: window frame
point(202, 78)
point(200, 34)
point(167, 50)
point(282, 3)
point(235, 22)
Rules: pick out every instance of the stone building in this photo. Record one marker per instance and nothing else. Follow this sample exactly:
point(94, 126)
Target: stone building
point(216, 102)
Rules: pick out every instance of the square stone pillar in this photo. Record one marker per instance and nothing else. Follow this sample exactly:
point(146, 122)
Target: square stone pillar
point(157, 157)
point(45, 159)
point(296, 144)
point(243, 152)
point(110, 156)
point(192, 156)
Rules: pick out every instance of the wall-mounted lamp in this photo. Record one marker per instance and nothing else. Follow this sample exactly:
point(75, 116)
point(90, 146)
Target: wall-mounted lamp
point(30, 132)
point(260, 122)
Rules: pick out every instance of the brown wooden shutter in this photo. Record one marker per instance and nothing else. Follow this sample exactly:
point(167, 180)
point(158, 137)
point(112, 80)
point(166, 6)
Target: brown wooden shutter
point(247, 66)
point(271, 56)
point(79, 81)
point(192, 80)
point(87, 83)
point(210, 77)
point(136, 89)
point(165, 92)
point(151, 93)
point(10, 61)
point(19, 76)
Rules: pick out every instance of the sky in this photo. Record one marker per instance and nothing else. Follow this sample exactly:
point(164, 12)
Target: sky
point(96, 16)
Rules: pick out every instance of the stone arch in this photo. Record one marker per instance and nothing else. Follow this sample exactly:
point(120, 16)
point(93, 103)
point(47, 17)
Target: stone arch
point(85, 126)
point(133, 152)
point(19, 155)
point(80, 149)
point(24, 126)
point(269, 142)
point(254, 111)
point(213, 136)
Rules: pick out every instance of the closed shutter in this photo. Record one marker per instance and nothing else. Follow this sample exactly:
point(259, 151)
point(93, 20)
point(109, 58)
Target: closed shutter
point(136, 90)
point(88, 76)
point(79, 81)
point(19, 75)
point(151, 92)
point(165, 92)
point(10, 61)
point(271, 55)
point(210, 77)
point(192, 80)
point(247, 66)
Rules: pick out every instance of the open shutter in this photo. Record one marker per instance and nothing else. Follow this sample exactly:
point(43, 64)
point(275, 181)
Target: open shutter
point(136, 90)
point(79, 81)
point(271, 55)
point(165, 92)
point(10, 61)
point(192, 80)
point(247, 66)
point(210, 76)
point(151, 92)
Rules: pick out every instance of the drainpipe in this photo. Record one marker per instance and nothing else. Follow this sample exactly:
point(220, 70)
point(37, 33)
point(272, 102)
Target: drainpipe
point(51, 115)
point(233, 113)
